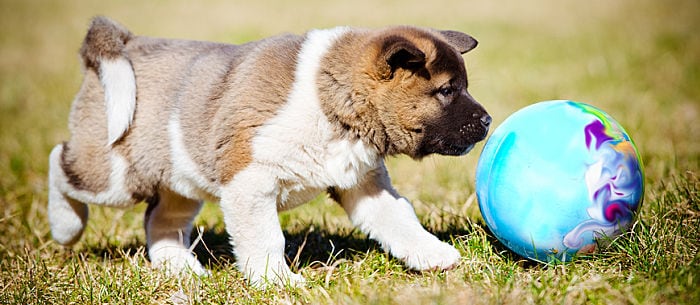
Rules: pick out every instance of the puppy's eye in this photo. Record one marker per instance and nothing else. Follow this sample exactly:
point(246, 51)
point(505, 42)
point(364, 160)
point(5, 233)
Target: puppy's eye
point(445, 91)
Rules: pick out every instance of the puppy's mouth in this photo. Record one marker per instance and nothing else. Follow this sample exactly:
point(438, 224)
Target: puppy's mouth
point(446, 149)
point(458, 150)
point(455, 149)
point(453, 141)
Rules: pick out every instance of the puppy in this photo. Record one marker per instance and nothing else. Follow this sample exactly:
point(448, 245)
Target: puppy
point(261, 127)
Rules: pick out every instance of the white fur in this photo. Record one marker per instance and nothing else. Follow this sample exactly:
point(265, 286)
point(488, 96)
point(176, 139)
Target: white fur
point(186, 178)
point(391, 220)
point(168, 228)
point(301, 140)
point(67, 217)
point(250, 212)
point(170, 256)
point(67, 209)
point(308, 156)
point(117, 77)
point(295, 156)
point(116, 194)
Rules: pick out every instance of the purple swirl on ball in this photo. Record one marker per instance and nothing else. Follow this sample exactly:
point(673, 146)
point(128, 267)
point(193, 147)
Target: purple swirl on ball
point(596, 131)
point(613, 182)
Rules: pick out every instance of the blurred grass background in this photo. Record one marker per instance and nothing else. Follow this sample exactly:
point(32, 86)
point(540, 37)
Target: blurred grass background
point(637, 60)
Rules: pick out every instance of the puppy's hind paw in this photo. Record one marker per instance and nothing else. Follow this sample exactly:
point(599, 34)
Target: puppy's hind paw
point(179, 262)
point(278, 280)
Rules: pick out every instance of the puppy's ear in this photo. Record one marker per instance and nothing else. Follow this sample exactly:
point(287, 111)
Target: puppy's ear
point(463, 43)
point(399, 53)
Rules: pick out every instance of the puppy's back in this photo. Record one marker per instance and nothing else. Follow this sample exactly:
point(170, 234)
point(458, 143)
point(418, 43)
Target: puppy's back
point(195, 103)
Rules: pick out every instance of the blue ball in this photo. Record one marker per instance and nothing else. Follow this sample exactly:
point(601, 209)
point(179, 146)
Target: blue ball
point(556, 176)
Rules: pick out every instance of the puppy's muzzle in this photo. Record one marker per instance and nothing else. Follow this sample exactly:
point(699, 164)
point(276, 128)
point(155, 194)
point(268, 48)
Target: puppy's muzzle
point(473, 133)
point(454, 138)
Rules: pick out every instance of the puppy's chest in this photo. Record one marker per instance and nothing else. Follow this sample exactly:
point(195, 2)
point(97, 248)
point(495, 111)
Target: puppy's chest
point(307, 157)
point(339, 163)
point(302, 176)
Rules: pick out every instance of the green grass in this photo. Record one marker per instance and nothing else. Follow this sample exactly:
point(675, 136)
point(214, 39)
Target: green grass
point(638, 60)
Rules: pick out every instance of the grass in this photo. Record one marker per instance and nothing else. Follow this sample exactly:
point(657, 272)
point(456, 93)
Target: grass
point(638, 60)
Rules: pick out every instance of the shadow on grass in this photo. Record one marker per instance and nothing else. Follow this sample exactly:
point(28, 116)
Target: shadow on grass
point(508, 254)
point(112, 251)
point(302, 247)
point(306, 246)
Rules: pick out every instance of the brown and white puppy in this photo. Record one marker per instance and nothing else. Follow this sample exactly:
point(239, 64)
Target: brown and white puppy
point(262, 127)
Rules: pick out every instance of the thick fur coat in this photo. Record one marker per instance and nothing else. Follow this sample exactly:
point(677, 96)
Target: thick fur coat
point(261, 127)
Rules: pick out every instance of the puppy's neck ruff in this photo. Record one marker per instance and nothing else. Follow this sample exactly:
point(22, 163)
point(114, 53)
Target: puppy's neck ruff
point(316, 45)
point(322, 157)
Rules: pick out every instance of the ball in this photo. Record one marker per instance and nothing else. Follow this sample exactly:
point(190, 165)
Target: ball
point(557, 176)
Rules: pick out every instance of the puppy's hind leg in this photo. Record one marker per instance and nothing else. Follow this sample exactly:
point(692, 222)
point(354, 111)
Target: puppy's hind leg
point(168, 225)
point(78, 176)
point(67, 216)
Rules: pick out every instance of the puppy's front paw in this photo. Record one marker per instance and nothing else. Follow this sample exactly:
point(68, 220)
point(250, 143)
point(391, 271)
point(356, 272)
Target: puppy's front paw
point(432, 256)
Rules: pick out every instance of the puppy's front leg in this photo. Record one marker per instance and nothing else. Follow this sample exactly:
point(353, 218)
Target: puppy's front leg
point(376, 208)
point(249, 205)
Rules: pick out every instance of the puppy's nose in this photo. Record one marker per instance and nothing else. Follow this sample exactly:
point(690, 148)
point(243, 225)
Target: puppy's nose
point(486, 120)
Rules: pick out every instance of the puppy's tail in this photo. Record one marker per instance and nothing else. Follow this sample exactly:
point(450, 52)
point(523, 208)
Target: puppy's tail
point(103, 51)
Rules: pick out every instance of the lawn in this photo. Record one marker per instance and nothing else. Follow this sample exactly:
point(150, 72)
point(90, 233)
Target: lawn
point(637, 60)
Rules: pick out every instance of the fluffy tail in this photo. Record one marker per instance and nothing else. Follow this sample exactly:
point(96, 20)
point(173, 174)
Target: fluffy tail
point(103, 51)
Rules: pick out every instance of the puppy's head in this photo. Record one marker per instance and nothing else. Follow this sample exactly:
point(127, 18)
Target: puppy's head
point(418, 86)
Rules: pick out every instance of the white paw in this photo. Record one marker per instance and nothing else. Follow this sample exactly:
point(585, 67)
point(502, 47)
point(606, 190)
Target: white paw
point(177, 262)
point(281, 278)
point(432, 256)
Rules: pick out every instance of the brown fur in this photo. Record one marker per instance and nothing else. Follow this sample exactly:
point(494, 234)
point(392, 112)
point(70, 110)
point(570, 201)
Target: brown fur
point(83, 158)
point(104, 40)
point(382, 93)
point(202, 108)
point(388, 98)
point(236, 122)
point(173, 74)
